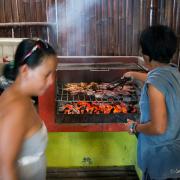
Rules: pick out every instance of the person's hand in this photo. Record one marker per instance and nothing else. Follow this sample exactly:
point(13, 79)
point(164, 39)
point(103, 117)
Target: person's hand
point(128, 125)
point(128, 74)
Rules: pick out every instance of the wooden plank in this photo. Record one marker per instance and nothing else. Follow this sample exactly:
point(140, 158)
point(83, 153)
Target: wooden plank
point(43, 10)
point(15, 11)
point(116, 26)
point(52, 36)
point(147, 13)
point(119, 26)
point(162, 12)
point(62, 34)
point(98, 27)
point(87, 26)
point(92, 28)
point(82, 31)
point(75, 21)
point(168, 12)
point(21, 10)
point(8, 11)
point(2, 11)
point(177, 29)
point(69, 18)
point(129, 27)
point(174, 11)
point(136, 28)
point(154, 11)
point(27, 32)
point(87, 173)
point(39, 16)
point(111, 34)
point(51, 10)
point(104, 27)
point(122, 25)
point(44, 19)
point(79, 28)
point(33, 13)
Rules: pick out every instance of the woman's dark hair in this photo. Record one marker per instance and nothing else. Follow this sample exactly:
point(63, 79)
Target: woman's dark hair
point(159, 42)
point(30, 52)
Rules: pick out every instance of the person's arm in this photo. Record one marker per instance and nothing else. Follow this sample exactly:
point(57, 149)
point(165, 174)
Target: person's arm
point(158, 113)
point(136, 75)
point(12, 133)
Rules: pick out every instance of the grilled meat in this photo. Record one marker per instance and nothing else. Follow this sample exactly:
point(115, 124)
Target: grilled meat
point(98, 90)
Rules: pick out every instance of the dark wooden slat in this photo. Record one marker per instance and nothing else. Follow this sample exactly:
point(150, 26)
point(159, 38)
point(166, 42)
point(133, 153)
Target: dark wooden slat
point(82, 31)
point(136, 27)
point(2, 11)
point(52, 34)
point(62, 34)
point(92, 28)
point(127, 173)
point(8, 10)
point(33, 12)
point(21, 10)
point(98, 27)
point(104, 27)
point(22, 17)
point(44, 10)
point(122, 25)
point(70, 27)
point(39, 16)
point(147, 10)
point(15, 11)
point(87, 27)
point(154, 10)
point(178, 19)
point(116, 27)
point(111, 36)
point(129, 26)
point(27, 32)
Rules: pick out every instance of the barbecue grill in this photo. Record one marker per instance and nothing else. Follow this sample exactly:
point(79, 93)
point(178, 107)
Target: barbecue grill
point(88, 70)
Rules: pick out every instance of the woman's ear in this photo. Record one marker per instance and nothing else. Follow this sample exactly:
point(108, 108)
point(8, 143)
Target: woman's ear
point(23, 70)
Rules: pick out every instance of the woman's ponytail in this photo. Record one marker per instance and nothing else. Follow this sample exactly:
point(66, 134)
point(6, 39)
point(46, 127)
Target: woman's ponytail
point(10, 71)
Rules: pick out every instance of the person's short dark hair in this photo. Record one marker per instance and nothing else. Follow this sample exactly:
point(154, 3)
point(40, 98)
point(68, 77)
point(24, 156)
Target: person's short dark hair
point(30, 52)
point(159, 42)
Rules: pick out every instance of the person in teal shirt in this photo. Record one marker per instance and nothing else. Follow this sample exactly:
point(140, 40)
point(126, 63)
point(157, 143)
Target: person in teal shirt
point(159, 126)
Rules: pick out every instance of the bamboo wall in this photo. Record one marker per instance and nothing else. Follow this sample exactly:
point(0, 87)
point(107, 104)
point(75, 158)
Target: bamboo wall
point(87, 27)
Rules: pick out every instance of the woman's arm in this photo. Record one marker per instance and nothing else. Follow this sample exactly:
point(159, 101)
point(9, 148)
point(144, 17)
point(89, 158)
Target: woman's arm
point(158, 113)
point(136, 75)
point(12, 133)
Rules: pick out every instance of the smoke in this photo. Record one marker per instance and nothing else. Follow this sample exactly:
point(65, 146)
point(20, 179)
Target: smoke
point(73, 18)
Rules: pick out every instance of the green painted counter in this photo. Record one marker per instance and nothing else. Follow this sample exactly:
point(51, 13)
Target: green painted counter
point(91, 149)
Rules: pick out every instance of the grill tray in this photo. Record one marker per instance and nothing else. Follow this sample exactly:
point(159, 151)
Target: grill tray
point(63, 97)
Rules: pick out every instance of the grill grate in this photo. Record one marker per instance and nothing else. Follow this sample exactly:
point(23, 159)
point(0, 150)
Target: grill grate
point(64, 97)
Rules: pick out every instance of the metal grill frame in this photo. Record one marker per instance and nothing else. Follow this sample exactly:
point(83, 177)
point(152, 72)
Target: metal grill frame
point(90, 118)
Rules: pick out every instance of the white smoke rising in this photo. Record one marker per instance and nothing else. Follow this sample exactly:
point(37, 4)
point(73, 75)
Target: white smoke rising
point(72, 17)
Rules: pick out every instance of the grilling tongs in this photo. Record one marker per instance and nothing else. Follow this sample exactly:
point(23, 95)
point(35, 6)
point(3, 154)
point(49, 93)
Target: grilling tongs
point(119, 82)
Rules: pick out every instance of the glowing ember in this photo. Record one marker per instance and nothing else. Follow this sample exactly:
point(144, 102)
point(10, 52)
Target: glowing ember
point(83, 107)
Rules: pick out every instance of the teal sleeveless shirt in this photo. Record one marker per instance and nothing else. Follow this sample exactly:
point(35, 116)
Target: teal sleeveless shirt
point(160, 154)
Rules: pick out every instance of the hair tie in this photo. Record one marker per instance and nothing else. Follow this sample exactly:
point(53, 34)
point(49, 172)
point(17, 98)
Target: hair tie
point(12, 64)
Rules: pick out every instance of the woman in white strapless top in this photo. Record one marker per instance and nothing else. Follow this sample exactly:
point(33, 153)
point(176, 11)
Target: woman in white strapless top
point(23, 136)
point(31, 162)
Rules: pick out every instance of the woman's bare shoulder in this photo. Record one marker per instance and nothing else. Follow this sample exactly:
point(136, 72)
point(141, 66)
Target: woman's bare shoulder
point(14, 108)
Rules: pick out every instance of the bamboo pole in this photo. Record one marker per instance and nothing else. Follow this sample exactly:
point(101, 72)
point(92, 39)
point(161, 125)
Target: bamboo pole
point(27, 24)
